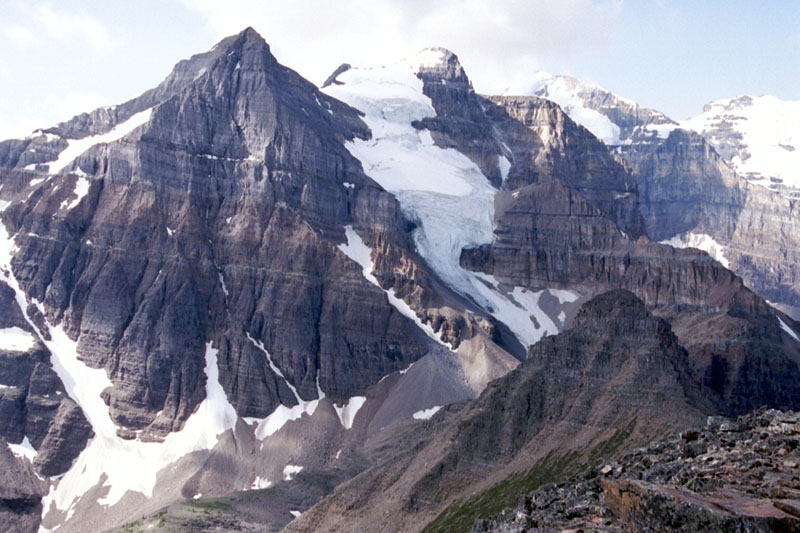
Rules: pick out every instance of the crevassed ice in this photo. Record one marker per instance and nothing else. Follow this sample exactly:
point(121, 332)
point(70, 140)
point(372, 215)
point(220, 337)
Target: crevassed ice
point(440, 188)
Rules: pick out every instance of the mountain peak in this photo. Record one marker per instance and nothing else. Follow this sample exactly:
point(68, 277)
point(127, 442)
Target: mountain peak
point(248, 38)
point(440, 64)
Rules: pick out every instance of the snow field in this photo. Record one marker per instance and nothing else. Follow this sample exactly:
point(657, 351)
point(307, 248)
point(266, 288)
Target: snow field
point(770, 135)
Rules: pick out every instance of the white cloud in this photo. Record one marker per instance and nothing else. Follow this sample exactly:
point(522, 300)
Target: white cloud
point(47, 24)
point(19, 34)
point(495, 41)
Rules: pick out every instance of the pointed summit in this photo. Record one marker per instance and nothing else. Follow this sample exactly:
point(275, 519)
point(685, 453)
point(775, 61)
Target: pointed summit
point(247, 38)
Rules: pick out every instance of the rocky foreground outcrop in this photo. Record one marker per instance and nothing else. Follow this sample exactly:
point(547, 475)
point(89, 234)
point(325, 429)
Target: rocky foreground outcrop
point(731, 475)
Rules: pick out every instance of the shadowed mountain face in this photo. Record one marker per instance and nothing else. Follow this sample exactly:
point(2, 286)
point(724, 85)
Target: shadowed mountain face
point(229, 243)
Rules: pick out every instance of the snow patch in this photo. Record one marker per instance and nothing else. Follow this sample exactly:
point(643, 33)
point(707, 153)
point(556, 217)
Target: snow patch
point(260, 483)
point(503, 165)
point(566, 92)
point(295, 513)
point(81, 190)
point(359, 252)
point(429, 58)
point(701, 241)
point(24, 450)
point(16, 340)
point(788, 330)
point(290, 470)
point(426, 414)
point(32, 166)
point(273, 422)
point(349, 185)
point(170, 231)
point(662, 131)
point(347, 412)
point(564, 296)
point(76, 147)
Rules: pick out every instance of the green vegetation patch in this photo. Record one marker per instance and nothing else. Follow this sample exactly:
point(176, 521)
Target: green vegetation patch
point(461, 515)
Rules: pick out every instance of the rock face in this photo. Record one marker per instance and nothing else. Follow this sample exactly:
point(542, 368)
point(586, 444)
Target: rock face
point(217, 219)
point(20, 493)
point(733, 475)
point(618, 367)
point(686, 188)
point(701, 184)
point(520, 141)
point(217, 247)
point(549, 235)
point(570, 154)
point(613, 119)
point(34, 404)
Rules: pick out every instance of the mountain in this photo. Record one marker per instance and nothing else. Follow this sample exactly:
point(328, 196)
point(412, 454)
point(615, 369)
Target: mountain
point(698, 184)
point(611, 118)
point(618, 371)
point(759, 136)
point(239, 291)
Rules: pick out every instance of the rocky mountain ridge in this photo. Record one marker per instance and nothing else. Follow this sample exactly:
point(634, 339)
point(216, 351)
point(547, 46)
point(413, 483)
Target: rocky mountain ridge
point(730, 475)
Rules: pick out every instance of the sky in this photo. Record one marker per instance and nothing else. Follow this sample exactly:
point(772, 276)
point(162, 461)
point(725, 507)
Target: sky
point(59, 58)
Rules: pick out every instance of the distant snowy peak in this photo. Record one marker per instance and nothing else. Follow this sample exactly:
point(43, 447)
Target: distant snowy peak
point(612, 118)
point(759, 136)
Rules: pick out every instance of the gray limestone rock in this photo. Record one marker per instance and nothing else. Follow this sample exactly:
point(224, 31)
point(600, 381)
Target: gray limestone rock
point(20, 493)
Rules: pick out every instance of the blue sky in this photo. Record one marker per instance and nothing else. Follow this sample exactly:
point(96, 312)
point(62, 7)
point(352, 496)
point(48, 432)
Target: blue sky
point(60, 58)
